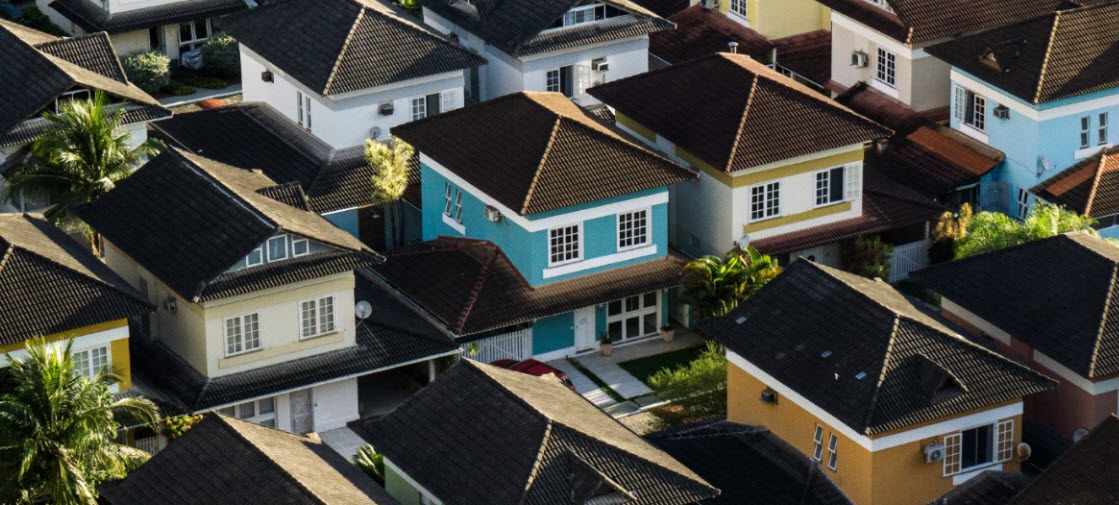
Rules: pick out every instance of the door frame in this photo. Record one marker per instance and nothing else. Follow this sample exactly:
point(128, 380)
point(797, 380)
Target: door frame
point(588, 341)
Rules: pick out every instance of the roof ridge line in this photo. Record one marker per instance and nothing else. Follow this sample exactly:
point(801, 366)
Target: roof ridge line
point(885, 368)
point(1103, 322)
point(475, 290)
point(1095, 183)
point(631, 454)
point(618, 138)
point(272, 462)
point(535, 469)
point(344, 48)
point(742, 122)
point(1048, 55)
point(543, 159)
point(7, 254)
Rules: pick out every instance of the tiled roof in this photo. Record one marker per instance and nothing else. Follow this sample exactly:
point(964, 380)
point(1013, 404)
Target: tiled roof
point(701, 31)
point(869, 355)
point(1089, 187)
point(988, 488)
point(874, 104)
point(58, 65)
point(932, 161)
point(482, 434)
point(1057, 56)
point(347, 45)
point(92, 18)
point(1085, 475)
point(1056, 294)
point(188, 220)
point(749, 464)
point(50, 284)
point(808, 54)
point(255, 135)
point(734, 113)
point(26, 131)
point(471, 286)
point(226, 461)
point(553, 153)
point(887, 205)
point(520, 27)
point(917, 21)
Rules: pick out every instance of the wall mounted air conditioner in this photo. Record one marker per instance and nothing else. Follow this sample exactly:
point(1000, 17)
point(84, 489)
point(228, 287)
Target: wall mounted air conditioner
point(386, 109)
point(600, 65)
point(769, 396)
point(1002, 112)
point(934, 453)
point(859, 59)
point(170, 304)
point(492, 214)
point(266, 76)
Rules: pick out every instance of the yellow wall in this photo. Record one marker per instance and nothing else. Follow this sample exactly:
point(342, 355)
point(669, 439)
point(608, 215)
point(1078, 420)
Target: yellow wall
point(637, 128)
point(753, 176)
point(118, 349)
point(781, 18)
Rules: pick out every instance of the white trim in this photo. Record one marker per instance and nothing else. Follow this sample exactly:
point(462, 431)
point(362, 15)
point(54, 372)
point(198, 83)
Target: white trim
point(876, 37)
point(974, 320)
point(241, 334)
point(973, 132)
point(535, 225)
point(450, 221)
point(648, 229)
point(1016, 104)
point(579, 266)
point(961, 478)
point(559, 353)
point(884, 88)
point(324, 214)
point(407, 478)
point(1089, 151)
point(580, 239)
point(318, 317)
point(1093, 388)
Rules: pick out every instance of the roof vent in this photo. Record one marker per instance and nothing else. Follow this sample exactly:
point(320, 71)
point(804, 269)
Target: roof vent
point(740, 320)
point(732, 46)
point(825, 354)
point(860, 375)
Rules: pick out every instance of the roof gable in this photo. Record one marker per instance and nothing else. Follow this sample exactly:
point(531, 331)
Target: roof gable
point(1084, 475)
point(1090, 187)
point(919, 21)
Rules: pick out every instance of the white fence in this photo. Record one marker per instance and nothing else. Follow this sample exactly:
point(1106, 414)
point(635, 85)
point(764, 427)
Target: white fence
point(515, 345)
point(909, 258)
point(150, 445)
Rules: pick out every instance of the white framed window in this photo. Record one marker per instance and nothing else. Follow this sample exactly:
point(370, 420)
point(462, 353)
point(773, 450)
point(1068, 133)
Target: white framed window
point(307, 106)
point(300, 246)
point(978, 446)
point(739, 7)
point(1101, 130)
point(277, 248)
point(887, 66)
point(765, 200)
point(970, 108)
point(193, 33)
point(299, 107)
point(565, 244)
point(633, 229)
point(458, 206)
point(88, 362)
point(818, 443)
point(242, 334)
point(633, 316)
point(448, 100)
point(1085, 131)
point(829, 186)
point(262, 411)
point(1004, 440)
point(447, 201)
point(419, 108)
point(882, 5)
point(1023, 202)
point(255, 257)
point(570, 80)
point(552, 81)
point(853, 176)
point(833, 442)
point(70, 96)
point(316, 317)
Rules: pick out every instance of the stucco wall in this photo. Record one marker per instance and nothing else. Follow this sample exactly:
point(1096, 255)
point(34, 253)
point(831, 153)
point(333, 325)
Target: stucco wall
point(781, 18)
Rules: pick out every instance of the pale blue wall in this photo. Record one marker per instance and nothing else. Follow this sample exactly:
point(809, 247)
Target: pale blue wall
point(346, 220)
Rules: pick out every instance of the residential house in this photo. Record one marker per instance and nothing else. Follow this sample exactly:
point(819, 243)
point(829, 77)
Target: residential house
point(1086, 188)
point(256, 293)
point(53, 288)
point(563, 46)
point(531, 440)
point(572, 209)
point(360, 68)
point(171, 27)
point(774, 19)
point(1042, 91)
point(884, 42)
point(897, 406)
point(226, 461)
point(62, 69)
point(1046, 303)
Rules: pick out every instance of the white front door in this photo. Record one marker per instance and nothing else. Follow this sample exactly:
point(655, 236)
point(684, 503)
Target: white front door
point(584, 329)
point(302, 413)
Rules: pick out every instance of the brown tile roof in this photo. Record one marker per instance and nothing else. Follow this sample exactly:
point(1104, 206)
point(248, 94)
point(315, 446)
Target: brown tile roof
point(1089, 187)
point(553, 153)
point(808, 54)
point(917, 21)
point(881, 108)
point(1085, 475)
point(1061, 55)
point(734, 113)
point(470, 286)
point(92, 17)
point(988, 488)
point(701, 31)
point(932, 162)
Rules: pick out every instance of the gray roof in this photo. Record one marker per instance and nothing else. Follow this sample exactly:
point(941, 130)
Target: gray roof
point(345, 45)
point(481, 434)
point(92, 18)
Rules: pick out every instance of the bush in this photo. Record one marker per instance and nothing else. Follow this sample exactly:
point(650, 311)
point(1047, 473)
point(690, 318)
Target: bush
point(199, 79)
point(698, 388)
point(34, 18)
point(372, 463)
point(221, 57)
point(869, 257)
point(175, 427)
point(150, 70)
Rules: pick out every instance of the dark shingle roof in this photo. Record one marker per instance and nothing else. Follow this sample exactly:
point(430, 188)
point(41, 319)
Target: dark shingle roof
point(226, 461)
point(917, 21)
point(92, 18)
point(734, 113)
point(57, 66)
point(1085, 475)
point(1064, 54)
point(933, 161)
point(519, 27)
point(50, 284)
point(553, 153)
point(988, 488)
point(890, 364)
point(1089, 187)
point(346, 45)
point(808, 54)
point(749, 464)
point(701, 31)
point(1055, 294)
point(531, 440)
point(188, 220)
point(471, 286)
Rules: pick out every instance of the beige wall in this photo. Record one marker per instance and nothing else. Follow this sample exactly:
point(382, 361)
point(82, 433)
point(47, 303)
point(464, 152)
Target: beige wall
point(781, 18)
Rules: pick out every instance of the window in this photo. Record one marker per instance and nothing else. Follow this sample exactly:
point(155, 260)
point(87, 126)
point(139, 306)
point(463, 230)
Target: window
point(587, 14)
point(256, 257)
point(70, 96)
point(1085, 131)
point(970, 108)
point(307, 105)
point(1004, 438)
point(739, 7)
point(419, 108)
point(452, 203)
point(299, 107)
point(633, 316)
point(316, 317)
point(262, 412)
point(818, 441)
point(88, 362)
point(458, 206)
point(633, 229)
point(765, 200)
point(978, 446)
point(193, 33)
point(560, 80)
point(829, 186)
point(155, 38)
point(144, 290)
point(1101, 132)
point(447, 205)
point(242, 334)
point(887, 68)
point(563, 245)
point(277, 248)
point(882, 4)
point(1023, 204)
point(832, 457)
point(300, 246)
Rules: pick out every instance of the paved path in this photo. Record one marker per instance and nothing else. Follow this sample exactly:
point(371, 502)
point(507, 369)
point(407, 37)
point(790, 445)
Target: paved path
point(583, 384)
point(343, 440)
point(199, 95)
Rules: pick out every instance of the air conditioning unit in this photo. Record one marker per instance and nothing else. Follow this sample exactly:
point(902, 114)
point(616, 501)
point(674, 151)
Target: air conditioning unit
point(1002, 112)
point(492, 214)
point(600, 65)
point(170, 304)
point(769, 396)
point(266, 76)
point(859, 59)
point(934, 453)
point(386, 109)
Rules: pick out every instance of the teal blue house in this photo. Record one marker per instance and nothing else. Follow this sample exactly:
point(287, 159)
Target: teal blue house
point(543, 229)
point(1045, 92)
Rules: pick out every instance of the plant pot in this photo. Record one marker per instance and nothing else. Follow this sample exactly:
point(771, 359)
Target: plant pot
point(668, 334)
point(607, 349)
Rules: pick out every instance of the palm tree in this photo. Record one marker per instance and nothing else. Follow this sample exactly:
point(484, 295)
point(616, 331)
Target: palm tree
point(713, 286)
point(991, 231)
point(57, 430)
point(79, 157)
point(389, 162)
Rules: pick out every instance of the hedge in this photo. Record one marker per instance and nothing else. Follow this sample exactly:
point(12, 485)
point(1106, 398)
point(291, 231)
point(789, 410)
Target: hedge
point(221, 57)
point(150, 70)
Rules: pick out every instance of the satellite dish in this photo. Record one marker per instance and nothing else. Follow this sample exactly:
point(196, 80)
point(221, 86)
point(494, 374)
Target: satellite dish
point(743, 241)
point(375, 132)
point(363, 309)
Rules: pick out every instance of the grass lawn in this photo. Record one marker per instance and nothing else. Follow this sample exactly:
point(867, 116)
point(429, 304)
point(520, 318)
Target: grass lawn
point(643, 368)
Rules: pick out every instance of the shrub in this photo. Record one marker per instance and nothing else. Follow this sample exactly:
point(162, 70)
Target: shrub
point(34, 18)
point(221, 56)
point(175, 427)
point(699, 388)
point(869, 257)
point(149, 70)
point(367, 460)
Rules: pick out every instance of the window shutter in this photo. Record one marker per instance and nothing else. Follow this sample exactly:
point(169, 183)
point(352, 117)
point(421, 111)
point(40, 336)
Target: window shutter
point(952, 448)
point(582, 79)
point(433, 104)
point(447, 100)
point(854, 181)
point(1004, 442)
point(960, 102)
point(836, 188)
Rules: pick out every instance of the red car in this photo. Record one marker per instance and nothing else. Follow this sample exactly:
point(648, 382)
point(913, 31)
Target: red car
point(533, 367)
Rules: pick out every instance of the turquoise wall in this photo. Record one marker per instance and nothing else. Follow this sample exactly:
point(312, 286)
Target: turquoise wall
point(346, 220)
point(553, 333)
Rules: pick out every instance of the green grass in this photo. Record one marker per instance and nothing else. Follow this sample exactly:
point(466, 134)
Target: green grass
point(644, 368)
point(598, 382)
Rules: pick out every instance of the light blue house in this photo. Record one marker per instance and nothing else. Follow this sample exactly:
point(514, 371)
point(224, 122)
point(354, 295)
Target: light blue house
point(544, 229)
point(1044, 91)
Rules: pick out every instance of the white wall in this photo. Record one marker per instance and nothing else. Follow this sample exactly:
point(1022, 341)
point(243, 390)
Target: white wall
point(626, 58)
point(334, 404)
point(798, 194)
point(701, 208)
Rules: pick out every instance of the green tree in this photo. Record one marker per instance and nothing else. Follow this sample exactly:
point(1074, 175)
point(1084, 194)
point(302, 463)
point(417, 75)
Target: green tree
point(389, 162)
point(371, 462)
point(869, 257)
point(991, 231)
point(699, 388)
point(57, 430)
point(714, 286)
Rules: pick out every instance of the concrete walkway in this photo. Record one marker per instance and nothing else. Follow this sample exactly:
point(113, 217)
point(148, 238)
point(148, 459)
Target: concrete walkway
point(199, 95)
point(343, 440)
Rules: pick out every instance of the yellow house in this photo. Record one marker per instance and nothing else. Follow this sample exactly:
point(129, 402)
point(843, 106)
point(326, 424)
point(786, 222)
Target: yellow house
point(895, 406)
point(52, 287)
point(775, 19)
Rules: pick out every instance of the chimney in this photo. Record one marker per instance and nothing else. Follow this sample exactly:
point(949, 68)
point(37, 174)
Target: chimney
point(733, 46)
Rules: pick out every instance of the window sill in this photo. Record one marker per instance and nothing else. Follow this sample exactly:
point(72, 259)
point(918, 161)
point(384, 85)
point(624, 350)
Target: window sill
point(455, 225)
point(973, 132)
point(738, 18)
point(751, 221)
point(1086, 152)
point(319, 335)
point(243, 353)
point(966, 474)
point(587, 264)
point(886, 89)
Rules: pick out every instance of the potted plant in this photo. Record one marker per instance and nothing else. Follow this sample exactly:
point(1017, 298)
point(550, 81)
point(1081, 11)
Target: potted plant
point(607, 345)
point(668, 332)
